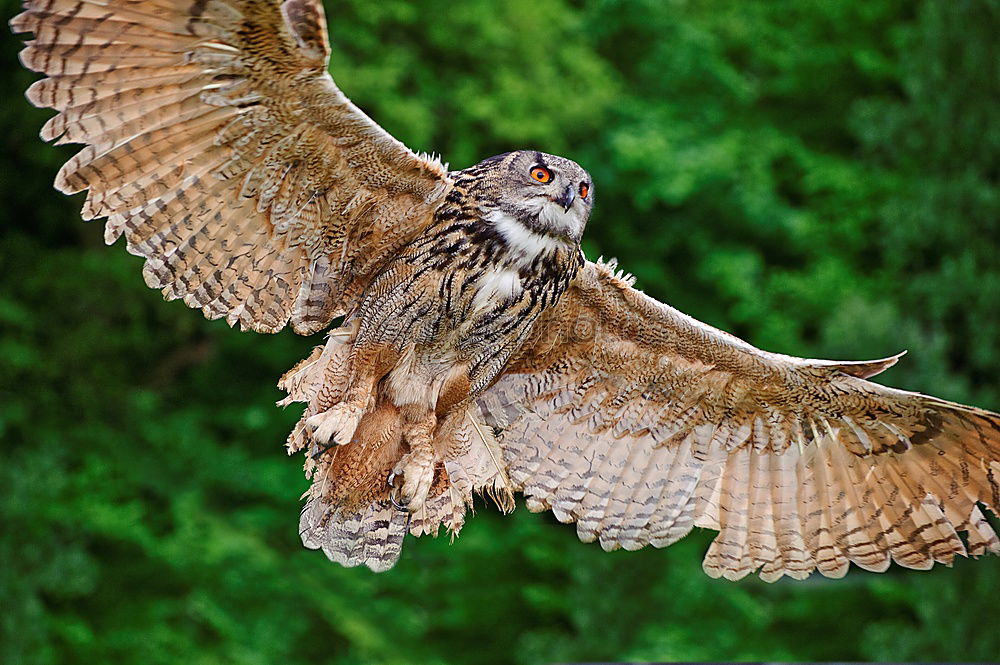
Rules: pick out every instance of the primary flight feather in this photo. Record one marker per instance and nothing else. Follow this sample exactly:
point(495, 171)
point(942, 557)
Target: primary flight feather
point(479, 351)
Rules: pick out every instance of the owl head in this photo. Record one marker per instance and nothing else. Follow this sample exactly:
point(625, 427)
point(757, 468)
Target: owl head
point(535, 198)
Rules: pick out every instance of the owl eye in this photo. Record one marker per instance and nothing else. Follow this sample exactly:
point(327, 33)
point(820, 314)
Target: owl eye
point(584, 190)
point(541, 174)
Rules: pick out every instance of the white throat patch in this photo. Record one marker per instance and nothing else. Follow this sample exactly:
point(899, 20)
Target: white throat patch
point(521, 239)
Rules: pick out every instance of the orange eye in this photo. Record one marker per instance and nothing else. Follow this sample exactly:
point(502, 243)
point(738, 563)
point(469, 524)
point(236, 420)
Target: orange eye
point(541, 174)
point(584, 190)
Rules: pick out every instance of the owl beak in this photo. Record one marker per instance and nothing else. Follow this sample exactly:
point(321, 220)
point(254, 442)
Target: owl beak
point(567, 198)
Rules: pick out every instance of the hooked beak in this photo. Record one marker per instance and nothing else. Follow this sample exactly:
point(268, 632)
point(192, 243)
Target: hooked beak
point(567, 198)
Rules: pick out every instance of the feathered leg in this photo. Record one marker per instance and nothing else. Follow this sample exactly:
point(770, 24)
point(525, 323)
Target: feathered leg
point(367, 364)
point(417, 466)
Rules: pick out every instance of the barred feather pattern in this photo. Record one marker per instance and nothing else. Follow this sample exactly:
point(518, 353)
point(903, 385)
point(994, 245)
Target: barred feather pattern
point(218, 145)
point(348, 513)
point(639, 423)
point(216, 142)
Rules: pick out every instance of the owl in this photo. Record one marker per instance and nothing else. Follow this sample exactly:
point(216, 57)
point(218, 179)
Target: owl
point(477, 350)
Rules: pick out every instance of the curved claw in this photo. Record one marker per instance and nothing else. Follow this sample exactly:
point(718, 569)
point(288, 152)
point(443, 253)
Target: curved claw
point(320, 449)
point(391, 482)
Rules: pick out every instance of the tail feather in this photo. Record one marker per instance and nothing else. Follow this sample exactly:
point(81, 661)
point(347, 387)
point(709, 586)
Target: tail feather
point(371, 535)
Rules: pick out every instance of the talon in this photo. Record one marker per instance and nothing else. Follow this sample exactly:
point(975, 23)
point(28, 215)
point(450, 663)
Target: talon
point(391, 482)
point(416, 486)
point(336, 425)
point(415, 467)
point(321, 449)
point(396, 504)
point(417, 475)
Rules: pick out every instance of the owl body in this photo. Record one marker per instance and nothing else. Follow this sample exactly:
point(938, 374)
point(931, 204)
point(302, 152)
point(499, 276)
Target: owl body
point(437, 325)
point(465, 292)
point(256, 191)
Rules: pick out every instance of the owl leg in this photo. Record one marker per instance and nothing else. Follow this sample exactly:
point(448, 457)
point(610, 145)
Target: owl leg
point(417, 466)
point(336, 426)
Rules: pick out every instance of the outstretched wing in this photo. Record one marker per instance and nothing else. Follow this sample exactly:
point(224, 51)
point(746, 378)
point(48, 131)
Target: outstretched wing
point(218, 144)
point(638, 423)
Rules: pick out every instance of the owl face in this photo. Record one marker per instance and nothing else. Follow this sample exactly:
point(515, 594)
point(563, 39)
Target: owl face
point(549, 197)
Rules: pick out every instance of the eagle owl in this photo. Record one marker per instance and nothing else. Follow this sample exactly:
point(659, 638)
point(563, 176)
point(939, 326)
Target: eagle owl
point(478, 351)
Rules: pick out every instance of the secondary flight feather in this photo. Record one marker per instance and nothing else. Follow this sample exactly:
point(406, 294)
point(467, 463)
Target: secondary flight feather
point(478, 351)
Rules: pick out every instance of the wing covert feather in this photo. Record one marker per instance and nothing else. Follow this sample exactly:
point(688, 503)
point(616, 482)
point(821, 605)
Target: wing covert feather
point(218, 145)
point(638, 423)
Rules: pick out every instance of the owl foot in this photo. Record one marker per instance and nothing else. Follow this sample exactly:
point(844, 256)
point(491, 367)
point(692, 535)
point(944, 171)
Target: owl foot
point(394, 497)
point(335, 426)
point(417, 470)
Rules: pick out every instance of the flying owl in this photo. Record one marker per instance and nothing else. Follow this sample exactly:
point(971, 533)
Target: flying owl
point(479, 351)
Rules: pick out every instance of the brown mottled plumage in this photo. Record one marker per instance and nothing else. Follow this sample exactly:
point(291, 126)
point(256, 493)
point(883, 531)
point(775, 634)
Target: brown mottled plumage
point(479, 352)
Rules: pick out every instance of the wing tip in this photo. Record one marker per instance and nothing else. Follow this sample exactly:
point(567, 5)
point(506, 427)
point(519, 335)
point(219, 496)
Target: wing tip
point(862, 369)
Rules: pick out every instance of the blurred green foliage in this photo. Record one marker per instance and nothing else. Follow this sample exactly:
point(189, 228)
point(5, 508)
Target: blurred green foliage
point(818, 177)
